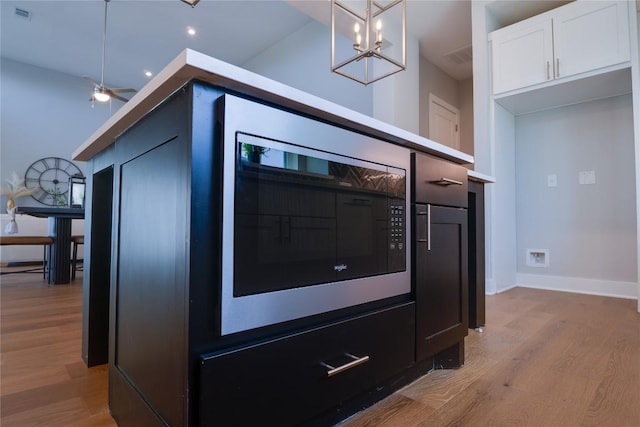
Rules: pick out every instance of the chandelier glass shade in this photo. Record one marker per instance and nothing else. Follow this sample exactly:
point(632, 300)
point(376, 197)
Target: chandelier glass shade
point(378, 34)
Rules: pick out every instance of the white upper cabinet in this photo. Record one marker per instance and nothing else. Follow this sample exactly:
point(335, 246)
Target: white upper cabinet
point(579, 37)
point(522, 55)
point(590, 35)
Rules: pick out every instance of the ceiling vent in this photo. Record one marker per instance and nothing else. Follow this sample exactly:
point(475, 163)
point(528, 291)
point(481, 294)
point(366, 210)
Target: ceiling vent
point(22, 13)
point(460, 56)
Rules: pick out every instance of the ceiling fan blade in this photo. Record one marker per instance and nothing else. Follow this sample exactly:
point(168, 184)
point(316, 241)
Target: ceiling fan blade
point(93, 82)
point(121, 90)
point(113, 95)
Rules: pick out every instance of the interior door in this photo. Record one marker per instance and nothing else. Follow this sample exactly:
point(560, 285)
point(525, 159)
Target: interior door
point(444, 122)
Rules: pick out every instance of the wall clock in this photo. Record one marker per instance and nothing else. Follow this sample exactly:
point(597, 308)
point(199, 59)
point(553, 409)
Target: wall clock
point(50, 176)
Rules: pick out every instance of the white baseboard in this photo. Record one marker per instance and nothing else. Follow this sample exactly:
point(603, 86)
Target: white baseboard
point(609, 288)
point(489, 286)
point(501, 290)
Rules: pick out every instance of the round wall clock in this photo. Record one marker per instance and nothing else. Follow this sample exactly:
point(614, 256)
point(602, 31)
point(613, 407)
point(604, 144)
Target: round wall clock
point(51, 178)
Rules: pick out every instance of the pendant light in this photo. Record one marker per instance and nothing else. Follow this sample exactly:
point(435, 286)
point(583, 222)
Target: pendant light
point(379, 36)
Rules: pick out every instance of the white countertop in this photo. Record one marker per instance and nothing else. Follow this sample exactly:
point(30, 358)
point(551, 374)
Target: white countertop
point(191, 65)
point(480, 177)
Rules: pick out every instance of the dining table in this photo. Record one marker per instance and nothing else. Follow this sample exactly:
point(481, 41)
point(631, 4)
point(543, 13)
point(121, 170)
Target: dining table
point(59, 227)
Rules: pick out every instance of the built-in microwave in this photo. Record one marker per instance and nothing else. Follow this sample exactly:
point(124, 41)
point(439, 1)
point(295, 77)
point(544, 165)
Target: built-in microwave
point(314, 217)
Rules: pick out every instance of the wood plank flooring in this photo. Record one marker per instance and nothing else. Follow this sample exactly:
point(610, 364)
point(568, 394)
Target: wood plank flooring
point(43, 380)
point(545, 359)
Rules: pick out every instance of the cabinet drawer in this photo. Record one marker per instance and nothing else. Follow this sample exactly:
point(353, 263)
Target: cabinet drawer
point(438, 182)
point(292, 379)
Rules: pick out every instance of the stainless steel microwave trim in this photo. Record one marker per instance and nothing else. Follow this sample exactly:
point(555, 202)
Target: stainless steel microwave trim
point(252, 311)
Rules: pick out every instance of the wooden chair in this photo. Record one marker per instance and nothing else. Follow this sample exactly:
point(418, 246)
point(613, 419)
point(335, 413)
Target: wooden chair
point(75, 242)
point(45, 241)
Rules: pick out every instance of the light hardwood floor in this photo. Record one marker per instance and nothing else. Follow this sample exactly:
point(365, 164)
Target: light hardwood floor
point(545, 359)
point(43, 380)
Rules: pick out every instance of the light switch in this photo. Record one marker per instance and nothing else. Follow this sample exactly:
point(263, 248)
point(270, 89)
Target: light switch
point(587, 177)
point(552, 180)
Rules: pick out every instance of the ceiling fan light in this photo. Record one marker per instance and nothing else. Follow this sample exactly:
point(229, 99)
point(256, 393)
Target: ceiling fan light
point(101, 96)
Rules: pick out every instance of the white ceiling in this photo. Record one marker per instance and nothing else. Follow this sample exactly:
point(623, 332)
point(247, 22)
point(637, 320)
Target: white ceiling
point(66, 35)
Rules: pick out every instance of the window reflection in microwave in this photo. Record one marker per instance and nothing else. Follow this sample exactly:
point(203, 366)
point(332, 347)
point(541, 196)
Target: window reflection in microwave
point(268, 156)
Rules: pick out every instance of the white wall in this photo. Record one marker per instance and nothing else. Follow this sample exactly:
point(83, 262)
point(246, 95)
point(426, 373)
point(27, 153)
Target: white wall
point(395, 99)
point(483, 127)
point(635, 80)
point(503, 202)
point(498, 133)
point(465, 99)
point(589, 230)
point(43, 114)
point(302, 60)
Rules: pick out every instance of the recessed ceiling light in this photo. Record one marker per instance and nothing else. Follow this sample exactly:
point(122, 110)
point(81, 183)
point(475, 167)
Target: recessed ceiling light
point(148, 73)
point(191, 31)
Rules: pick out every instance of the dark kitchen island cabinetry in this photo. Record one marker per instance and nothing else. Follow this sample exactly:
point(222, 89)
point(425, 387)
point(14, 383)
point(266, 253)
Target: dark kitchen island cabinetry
point(440, 259)
point(476, 255)
point(171, 361)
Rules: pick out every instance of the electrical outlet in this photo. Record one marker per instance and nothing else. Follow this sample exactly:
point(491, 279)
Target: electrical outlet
point(552, 180)
point(587, 177)
point(538, 257)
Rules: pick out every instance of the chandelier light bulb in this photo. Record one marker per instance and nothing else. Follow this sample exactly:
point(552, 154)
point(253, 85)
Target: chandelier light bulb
point(356, 28)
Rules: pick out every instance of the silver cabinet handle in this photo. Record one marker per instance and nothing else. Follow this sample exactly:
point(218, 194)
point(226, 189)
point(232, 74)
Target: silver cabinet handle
point(548, 73)
point(355, 362)
point(429, 227)
point(419, 240)
point(447, 181)
point(557, 67)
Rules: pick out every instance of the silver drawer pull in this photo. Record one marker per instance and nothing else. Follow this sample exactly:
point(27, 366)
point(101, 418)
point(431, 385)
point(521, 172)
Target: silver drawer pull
point(355, 362)
point(447, 181)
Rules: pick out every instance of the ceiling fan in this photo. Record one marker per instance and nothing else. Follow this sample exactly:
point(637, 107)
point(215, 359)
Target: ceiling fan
point(101, 93)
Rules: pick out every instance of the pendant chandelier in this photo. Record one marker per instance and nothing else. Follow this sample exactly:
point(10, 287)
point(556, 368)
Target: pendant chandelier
point(379, 34)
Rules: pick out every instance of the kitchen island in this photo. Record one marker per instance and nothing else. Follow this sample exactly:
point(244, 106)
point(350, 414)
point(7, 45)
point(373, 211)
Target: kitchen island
point(173, 184)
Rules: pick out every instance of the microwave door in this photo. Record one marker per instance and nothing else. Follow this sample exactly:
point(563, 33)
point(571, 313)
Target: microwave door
point(362, 234)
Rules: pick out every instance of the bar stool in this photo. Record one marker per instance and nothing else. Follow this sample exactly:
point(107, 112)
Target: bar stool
point(75, 242)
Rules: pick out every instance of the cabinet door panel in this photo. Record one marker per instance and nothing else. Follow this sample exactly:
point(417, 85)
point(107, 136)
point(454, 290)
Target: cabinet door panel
point(522, 55)
point(590, 35)
point(441, 280)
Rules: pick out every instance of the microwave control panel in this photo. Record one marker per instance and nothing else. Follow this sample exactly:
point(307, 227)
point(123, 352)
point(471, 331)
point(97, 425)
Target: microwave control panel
point(397, 227)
